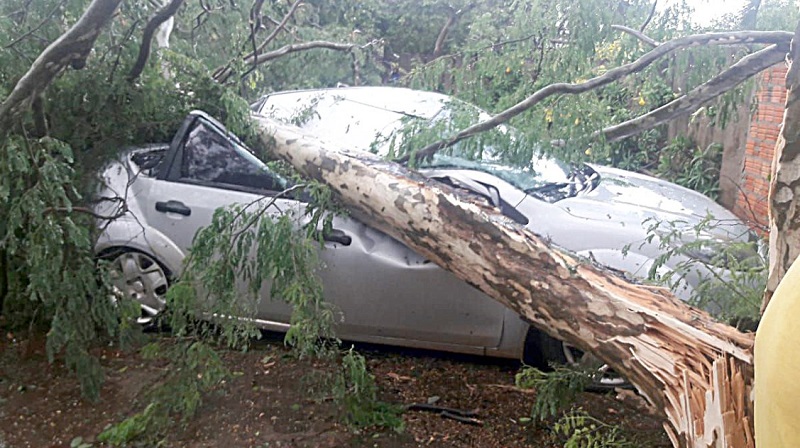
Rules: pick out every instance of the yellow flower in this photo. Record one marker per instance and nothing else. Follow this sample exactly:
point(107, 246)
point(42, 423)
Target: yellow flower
point(588, 151)
point(577, 121)
point(642, 102)
point(508, 69)
point(548, 115)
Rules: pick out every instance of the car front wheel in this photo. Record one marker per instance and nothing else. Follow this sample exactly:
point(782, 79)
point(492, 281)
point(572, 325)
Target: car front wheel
point(543, 351)
point(139, 277)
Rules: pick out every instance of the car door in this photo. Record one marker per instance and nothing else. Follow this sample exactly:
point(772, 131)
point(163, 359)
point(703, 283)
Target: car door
point(207, 169)
point(389, 293)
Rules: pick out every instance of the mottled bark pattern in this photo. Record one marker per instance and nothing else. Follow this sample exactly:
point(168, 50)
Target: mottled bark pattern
point(784, 192)
point(696, 371)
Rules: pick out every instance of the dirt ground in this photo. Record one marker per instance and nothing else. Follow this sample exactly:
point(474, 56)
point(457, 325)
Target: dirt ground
point(269, 403)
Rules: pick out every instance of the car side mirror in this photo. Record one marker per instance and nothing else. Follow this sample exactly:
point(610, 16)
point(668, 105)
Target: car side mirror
point(493, 193)
point(473, 187)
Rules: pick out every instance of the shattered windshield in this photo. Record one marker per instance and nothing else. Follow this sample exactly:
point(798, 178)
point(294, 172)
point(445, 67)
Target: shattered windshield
point(402, 121)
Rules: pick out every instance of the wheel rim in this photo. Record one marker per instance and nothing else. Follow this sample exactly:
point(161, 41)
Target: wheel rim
point(139, 277)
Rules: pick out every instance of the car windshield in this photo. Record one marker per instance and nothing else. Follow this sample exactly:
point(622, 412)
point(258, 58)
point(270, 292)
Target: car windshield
point(400, 118)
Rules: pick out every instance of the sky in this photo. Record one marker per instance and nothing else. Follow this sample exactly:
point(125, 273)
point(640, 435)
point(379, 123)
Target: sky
point(708, 10)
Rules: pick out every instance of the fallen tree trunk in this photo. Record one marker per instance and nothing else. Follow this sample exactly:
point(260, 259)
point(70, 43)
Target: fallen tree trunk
point(696, 371)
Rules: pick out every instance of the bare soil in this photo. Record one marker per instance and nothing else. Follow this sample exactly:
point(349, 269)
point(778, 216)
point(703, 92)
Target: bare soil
point(271, 402)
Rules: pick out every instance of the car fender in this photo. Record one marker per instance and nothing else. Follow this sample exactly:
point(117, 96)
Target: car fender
point(117, 234)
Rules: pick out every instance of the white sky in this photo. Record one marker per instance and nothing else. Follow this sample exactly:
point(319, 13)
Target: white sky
point(708, 10)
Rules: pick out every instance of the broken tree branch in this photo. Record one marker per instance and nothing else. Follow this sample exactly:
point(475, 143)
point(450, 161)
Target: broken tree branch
point(439, 45)
point(733, 38)
point(460, 415)
point(637, 34)
point(150, 29)
point(71, 48)
point(744, 69)
point(226, 72)
point(649, 17)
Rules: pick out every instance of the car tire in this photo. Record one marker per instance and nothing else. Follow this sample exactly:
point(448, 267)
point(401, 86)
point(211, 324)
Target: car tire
point(542, 351)
point(141, 277)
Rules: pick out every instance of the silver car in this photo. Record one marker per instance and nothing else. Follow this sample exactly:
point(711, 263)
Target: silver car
point(386, 292)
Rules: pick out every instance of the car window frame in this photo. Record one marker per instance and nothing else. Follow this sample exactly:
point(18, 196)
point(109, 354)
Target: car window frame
point(174, 157)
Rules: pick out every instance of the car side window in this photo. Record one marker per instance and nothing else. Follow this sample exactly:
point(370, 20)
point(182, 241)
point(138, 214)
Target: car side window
point(209, 157)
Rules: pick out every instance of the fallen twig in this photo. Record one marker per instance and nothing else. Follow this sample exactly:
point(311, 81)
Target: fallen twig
point(512, 388)
point(463, 416)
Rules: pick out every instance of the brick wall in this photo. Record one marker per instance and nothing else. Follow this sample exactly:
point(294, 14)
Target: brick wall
point(752, 203)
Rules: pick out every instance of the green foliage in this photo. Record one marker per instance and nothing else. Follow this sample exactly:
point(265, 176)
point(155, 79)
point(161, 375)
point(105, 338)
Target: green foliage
point(354, 388)
point(253, 244)
point(78, 442)
point(195, 369)
point(50, 273)
point(580, 430)
point(732, 271)
point(50, 276)
point(698, 169)
point(555, 390)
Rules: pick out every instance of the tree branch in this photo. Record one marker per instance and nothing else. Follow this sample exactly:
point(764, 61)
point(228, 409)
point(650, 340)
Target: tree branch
point(294, 48)
point(39, 116)
point(438, 46)
point(161, 16)
point(637, 34)
point(750, 14)
point(222, 76)
point(733, 38)
point(649, 17)
point(37, 27)
point(255, 22)
point(746, 68)
point(72, 47)
point(87, 211)
point(277, 29)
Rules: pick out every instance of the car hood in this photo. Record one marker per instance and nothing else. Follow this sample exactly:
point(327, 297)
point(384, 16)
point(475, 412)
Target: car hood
point(630, 199)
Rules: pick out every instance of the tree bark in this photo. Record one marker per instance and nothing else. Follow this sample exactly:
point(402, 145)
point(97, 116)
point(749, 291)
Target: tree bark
point(164, 16)
point(71, 48)
point(696, 371)
point(223, 73)
point(784, 192)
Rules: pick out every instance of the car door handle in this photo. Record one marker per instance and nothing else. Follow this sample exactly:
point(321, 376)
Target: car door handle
point(337, 236)
point(173, 207)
